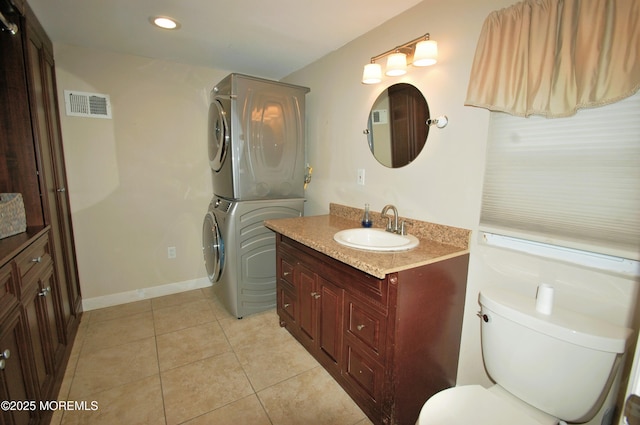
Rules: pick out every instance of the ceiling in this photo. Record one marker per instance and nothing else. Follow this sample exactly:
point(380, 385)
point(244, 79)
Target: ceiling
point(265, 38)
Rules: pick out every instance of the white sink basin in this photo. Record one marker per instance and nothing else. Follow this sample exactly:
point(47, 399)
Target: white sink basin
point(375, 240)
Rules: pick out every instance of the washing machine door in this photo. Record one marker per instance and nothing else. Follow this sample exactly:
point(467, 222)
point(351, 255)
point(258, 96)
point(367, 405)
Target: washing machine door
point(212, 247)
point(219, 134)
point(274, 132)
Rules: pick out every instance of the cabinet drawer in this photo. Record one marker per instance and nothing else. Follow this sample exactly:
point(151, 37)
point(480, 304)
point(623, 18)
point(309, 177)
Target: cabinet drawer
point(287, 304)
point(34, 257)
point(286, 271)
point(366, 325)
point(364, 374)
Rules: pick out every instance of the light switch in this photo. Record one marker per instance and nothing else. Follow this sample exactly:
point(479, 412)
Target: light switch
point(361, 176)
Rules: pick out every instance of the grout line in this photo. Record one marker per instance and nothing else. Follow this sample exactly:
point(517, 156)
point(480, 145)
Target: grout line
point(155, 339)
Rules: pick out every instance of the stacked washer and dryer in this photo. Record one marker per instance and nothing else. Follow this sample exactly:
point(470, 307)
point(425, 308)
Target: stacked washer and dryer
point(256, 153)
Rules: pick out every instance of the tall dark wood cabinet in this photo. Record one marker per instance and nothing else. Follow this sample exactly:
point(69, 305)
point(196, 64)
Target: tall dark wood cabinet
point(40, 299)
point(46, 129)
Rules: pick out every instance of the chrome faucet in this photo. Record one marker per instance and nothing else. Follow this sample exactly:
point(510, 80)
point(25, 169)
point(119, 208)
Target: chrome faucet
point(386, 208)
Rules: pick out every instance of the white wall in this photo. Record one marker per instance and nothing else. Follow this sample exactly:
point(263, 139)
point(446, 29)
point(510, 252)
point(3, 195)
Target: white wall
point(140, 182)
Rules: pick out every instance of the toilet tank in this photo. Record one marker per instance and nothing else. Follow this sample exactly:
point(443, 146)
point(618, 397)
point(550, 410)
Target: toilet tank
point(562, 363)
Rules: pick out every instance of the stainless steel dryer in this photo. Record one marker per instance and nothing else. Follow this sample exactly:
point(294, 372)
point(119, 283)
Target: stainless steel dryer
point(239, 251)
point(256, 138)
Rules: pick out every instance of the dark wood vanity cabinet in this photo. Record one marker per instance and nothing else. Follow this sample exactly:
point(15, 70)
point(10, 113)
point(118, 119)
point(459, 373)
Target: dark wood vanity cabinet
point(40, 301)
point(391, 343)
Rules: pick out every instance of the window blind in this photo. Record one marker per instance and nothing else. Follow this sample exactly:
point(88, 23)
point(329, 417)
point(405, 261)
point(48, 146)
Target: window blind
point(572, 182)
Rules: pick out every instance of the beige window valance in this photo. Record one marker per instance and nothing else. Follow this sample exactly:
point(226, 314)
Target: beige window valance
point(551, 57)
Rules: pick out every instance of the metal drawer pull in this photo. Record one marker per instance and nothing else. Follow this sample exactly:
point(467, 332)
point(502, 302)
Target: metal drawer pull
point(285, 274)
point(286, 305)
point(45, 291)
point(36, 260)
point(4, 355)
point(360, 327)
point(315, 295)
point(62, 189)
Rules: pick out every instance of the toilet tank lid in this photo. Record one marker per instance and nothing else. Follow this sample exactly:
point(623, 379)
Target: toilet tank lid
point(563, 324)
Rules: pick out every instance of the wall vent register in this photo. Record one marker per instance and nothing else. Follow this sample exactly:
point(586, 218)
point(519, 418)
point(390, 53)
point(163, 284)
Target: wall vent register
point(82, 104)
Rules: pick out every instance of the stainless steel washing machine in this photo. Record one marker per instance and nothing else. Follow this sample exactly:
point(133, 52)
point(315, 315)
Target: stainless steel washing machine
point(256, 138)
point(240, 253)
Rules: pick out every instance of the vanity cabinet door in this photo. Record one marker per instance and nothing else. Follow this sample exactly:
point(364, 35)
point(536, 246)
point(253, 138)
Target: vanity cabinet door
point(15, 379)
point(307, 297)
point(321, 304)
point(330, 304)
point(45, 329)
point(39, 337)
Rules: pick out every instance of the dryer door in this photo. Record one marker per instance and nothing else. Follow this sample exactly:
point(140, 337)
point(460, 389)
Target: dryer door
point(212, 247)
point(219, 135)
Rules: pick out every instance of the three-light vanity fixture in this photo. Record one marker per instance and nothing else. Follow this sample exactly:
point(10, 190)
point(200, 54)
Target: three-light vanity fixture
point(421, 51)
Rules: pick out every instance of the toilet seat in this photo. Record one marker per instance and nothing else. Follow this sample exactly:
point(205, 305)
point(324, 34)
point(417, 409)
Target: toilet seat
point(474, 404)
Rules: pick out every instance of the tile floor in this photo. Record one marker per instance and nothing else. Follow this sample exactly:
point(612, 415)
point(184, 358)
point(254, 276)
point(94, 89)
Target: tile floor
point(182, 359)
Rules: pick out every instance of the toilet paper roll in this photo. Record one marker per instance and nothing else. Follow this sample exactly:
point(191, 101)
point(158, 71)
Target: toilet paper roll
point(544, 299)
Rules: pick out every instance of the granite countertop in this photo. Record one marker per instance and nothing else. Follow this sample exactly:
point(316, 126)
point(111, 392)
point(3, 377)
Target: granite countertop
point(437, 242)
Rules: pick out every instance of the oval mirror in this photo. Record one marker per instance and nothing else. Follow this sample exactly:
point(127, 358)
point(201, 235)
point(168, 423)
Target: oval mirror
point(397, 127)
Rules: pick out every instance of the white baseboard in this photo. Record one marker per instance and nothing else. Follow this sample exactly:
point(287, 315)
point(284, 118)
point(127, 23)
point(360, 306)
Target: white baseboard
point(143, 294)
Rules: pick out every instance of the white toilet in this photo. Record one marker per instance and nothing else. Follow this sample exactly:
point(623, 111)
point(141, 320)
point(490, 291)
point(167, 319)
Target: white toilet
point(547, 368)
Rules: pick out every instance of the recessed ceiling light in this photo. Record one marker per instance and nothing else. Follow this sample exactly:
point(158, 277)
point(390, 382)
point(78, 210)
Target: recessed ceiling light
point(165, 22)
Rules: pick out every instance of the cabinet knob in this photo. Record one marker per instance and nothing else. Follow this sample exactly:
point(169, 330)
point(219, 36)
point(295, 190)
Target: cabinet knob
point(315, 295)
point(286, 305)
point(4, 355)
point(36, 260)
point(285, 274)
point(62, 189)
point(360, 327)
point(45, 291)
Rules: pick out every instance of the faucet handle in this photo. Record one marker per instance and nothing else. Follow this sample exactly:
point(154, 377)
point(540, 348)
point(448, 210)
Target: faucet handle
point(403, 224)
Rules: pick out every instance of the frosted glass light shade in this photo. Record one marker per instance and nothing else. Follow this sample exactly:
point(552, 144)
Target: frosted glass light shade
point(372, 73)
point(426, 53)
point(396, 64)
